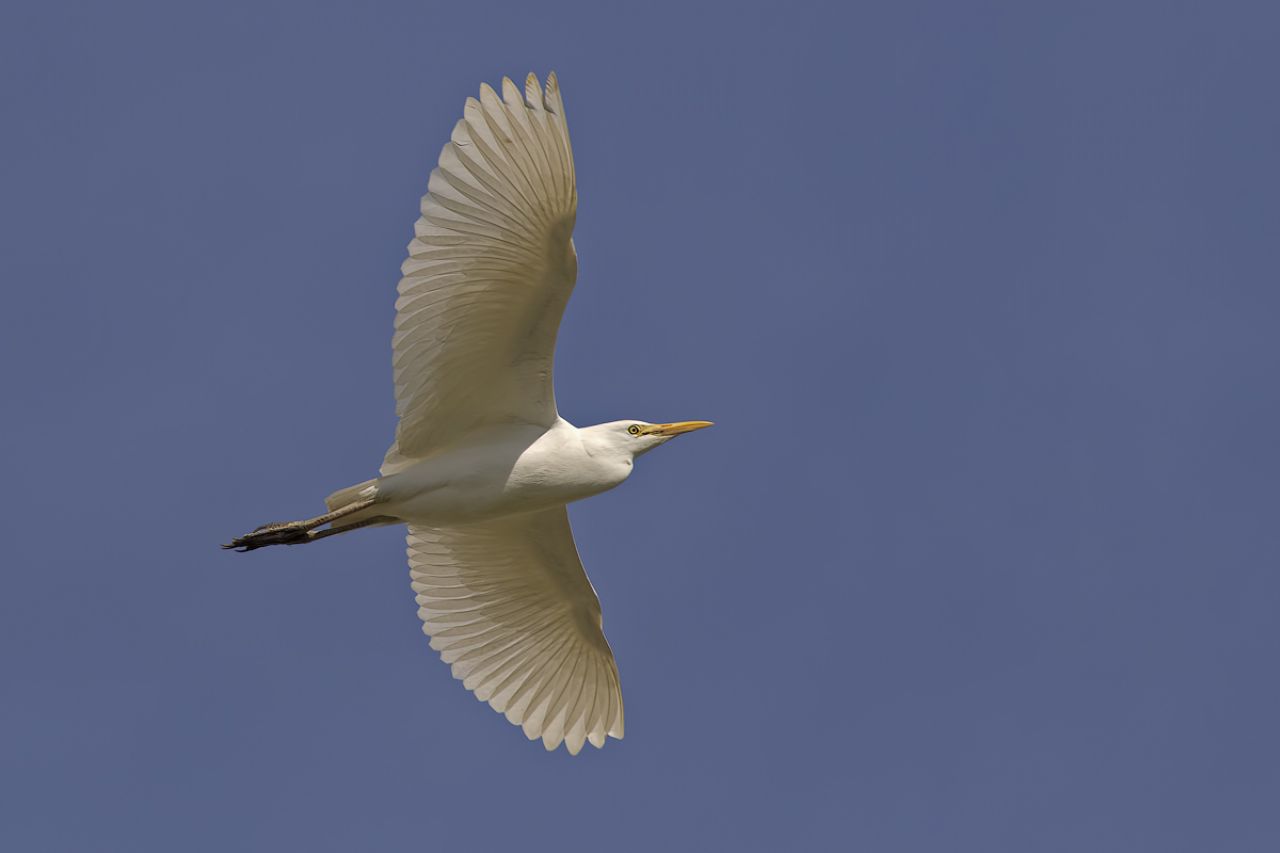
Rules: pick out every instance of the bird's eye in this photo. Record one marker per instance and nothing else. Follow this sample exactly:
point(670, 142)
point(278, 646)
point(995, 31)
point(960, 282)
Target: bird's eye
point(634, 429)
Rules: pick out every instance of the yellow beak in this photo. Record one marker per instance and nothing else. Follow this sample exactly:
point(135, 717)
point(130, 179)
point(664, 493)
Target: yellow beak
point(676, 428)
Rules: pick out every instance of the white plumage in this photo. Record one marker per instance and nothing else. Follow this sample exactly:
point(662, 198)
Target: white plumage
point(490, 269)
point(508, 605)
point(482, 464)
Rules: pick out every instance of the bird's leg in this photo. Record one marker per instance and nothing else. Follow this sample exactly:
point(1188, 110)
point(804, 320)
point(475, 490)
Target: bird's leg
point(294, 532)
point(313, 535)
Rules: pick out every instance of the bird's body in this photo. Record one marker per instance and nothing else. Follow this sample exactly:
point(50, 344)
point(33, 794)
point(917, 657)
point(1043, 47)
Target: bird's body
point(483, 465)
point(501, 470)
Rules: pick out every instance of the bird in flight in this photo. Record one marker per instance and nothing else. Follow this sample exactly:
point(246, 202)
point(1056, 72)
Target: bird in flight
point(482, 464)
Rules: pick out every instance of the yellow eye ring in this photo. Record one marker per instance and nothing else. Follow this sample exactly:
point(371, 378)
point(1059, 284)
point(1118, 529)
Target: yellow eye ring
point(634, 429)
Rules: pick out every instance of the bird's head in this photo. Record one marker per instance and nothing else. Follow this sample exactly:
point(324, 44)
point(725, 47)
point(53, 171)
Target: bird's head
point(637, 437)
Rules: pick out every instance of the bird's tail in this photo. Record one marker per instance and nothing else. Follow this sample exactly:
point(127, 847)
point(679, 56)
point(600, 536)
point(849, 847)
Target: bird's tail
point(351, 494)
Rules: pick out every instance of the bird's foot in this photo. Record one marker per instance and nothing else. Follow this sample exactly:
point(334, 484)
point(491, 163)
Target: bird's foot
point(276, 533)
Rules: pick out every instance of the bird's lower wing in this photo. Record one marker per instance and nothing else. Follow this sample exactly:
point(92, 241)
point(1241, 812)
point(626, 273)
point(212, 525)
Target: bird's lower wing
point(508, 604)
point(490, 269)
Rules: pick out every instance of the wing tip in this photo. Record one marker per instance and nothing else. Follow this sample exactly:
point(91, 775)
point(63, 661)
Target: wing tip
point(510, 94)
point(534, 90)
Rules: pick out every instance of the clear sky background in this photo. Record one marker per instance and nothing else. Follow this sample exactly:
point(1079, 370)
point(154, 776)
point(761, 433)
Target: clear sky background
point(981, 556)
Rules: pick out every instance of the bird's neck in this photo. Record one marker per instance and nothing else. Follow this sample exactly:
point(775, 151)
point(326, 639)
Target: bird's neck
point(602, 443)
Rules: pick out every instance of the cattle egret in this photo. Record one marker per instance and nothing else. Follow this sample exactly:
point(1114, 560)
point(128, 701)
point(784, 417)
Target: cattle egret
point(482, 465)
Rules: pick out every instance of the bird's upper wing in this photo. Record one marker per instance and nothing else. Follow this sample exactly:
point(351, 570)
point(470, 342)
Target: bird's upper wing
point(507, 603)
point(490, 269)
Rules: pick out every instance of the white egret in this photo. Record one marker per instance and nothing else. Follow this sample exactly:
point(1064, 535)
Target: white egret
point(482, 464)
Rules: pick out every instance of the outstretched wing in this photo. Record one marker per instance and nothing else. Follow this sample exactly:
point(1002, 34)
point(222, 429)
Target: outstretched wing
point(490, 269)
point(507, 603)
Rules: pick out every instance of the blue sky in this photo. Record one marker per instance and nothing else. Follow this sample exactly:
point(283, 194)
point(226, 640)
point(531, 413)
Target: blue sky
point(982, 554)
